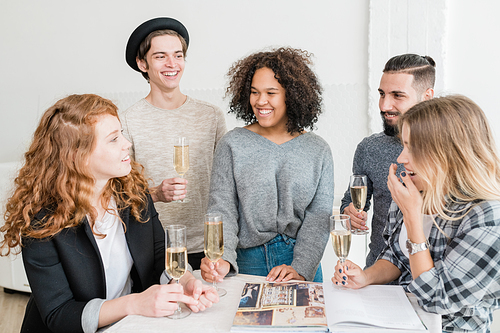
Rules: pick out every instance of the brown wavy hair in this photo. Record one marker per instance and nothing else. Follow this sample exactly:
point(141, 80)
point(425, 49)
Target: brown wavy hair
point(291, 68)
point(55, 179)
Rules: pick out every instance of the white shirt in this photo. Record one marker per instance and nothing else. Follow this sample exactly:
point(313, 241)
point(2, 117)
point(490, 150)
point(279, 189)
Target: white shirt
point(403, 236)
point(115, 254)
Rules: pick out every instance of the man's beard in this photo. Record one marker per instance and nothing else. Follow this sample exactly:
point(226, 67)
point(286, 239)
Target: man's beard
point(389, 130)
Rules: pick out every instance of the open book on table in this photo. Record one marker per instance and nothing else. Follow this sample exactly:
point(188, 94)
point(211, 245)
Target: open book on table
point(378, 306)
point(281, 307)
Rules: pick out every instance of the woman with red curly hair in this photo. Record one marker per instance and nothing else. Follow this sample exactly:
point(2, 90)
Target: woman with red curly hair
point(272, 180)
point(92, 244)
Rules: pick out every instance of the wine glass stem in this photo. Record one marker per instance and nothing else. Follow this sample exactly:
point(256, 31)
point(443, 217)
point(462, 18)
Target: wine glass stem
point(214, 282)
point(179, 310)
point(181, 200)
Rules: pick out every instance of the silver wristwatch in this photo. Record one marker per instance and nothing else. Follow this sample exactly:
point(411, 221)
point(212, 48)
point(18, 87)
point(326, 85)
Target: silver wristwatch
point(416, 247)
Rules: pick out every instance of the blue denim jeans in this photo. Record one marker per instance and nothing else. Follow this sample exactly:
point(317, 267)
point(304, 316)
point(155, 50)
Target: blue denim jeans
point(259, 260)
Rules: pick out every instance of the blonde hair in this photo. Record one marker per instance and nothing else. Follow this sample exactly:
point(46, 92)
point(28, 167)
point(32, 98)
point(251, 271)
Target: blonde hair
point(454, 151)
point(55, 177)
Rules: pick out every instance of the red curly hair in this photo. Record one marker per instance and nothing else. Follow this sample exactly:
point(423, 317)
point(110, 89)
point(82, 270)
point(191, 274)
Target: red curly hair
point(55, 176)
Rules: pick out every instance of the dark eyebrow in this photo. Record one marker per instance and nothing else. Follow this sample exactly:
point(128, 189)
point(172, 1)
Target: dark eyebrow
point(163, 52)
point(393, 92)
point(266, 89)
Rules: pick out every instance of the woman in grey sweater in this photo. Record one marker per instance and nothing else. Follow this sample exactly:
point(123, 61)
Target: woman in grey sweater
point(272, 180)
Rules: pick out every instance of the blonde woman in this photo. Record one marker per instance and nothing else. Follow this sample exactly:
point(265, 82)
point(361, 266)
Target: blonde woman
point(443, 232)
point(92, 244)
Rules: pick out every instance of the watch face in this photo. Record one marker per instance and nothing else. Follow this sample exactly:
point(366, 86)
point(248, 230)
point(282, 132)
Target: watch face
point(414, 248)
point(408, 246)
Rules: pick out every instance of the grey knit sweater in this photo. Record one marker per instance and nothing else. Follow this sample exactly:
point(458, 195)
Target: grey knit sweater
point(263, 189)
point(373, 158)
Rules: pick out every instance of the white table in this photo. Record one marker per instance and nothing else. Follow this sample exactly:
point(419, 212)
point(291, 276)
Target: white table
point(219, 317)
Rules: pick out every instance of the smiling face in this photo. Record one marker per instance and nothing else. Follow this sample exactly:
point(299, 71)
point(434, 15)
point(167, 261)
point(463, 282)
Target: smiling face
point(165, 63)
point(267, 98)
point(397, 96)
point(406, 158)
point(110, 157)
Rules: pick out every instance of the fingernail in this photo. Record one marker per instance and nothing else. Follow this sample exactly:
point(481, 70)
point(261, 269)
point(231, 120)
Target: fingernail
point(343, 283)
point(340, 270)
point(403, 174)
point(336, 283)
point(346, 268)
point(345, 278)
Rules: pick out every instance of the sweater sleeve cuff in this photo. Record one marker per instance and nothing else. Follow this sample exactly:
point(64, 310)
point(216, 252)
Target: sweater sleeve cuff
point(90, 315)
point(233, 266)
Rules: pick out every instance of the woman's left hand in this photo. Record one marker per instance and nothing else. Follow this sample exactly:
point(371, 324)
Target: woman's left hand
point(206, 295)
point(283, 273)
point(407, 196)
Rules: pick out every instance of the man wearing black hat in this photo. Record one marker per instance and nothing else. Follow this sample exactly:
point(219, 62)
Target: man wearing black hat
point(157, 49)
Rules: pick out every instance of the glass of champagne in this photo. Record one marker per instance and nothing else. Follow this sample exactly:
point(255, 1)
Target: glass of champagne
point(181, 159)
point(358, 186)
point(340, 231)
point(214, 243)
point(176, 260)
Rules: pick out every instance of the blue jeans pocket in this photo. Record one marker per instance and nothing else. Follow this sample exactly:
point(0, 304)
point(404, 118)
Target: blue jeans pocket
point(252, 261)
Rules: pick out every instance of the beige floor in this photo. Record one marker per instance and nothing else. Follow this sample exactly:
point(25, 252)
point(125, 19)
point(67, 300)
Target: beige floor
point(12, 311)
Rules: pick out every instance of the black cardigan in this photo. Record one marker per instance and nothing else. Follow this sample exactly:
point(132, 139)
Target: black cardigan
point(66, 271)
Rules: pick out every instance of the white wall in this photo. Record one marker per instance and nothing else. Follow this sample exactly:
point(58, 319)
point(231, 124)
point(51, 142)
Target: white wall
point(472, 55)
point(56, 47)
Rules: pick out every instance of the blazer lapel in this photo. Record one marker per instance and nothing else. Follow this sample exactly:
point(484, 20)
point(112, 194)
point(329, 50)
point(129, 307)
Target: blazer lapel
point(90, 235)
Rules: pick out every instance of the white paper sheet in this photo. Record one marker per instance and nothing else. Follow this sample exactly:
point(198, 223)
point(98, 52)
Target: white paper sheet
point(384, 306)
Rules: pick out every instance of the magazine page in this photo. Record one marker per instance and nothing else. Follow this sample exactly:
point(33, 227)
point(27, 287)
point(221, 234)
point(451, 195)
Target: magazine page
point(290, 306)
point(385, 306)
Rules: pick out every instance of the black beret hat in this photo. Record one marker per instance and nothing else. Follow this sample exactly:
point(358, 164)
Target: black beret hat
point(142, 31)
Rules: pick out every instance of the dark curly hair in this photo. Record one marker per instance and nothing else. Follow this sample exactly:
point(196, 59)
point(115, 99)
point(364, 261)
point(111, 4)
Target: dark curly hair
point(291, 68)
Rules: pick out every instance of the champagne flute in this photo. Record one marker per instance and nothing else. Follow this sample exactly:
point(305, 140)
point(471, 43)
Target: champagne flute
point(340, 231)
point(214, 243)
point(176, 260)
point(358, 185)
point(181, 159)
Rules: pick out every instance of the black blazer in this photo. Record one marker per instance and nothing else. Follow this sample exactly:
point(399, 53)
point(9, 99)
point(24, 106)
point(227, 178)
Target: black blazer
point(66, 271)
